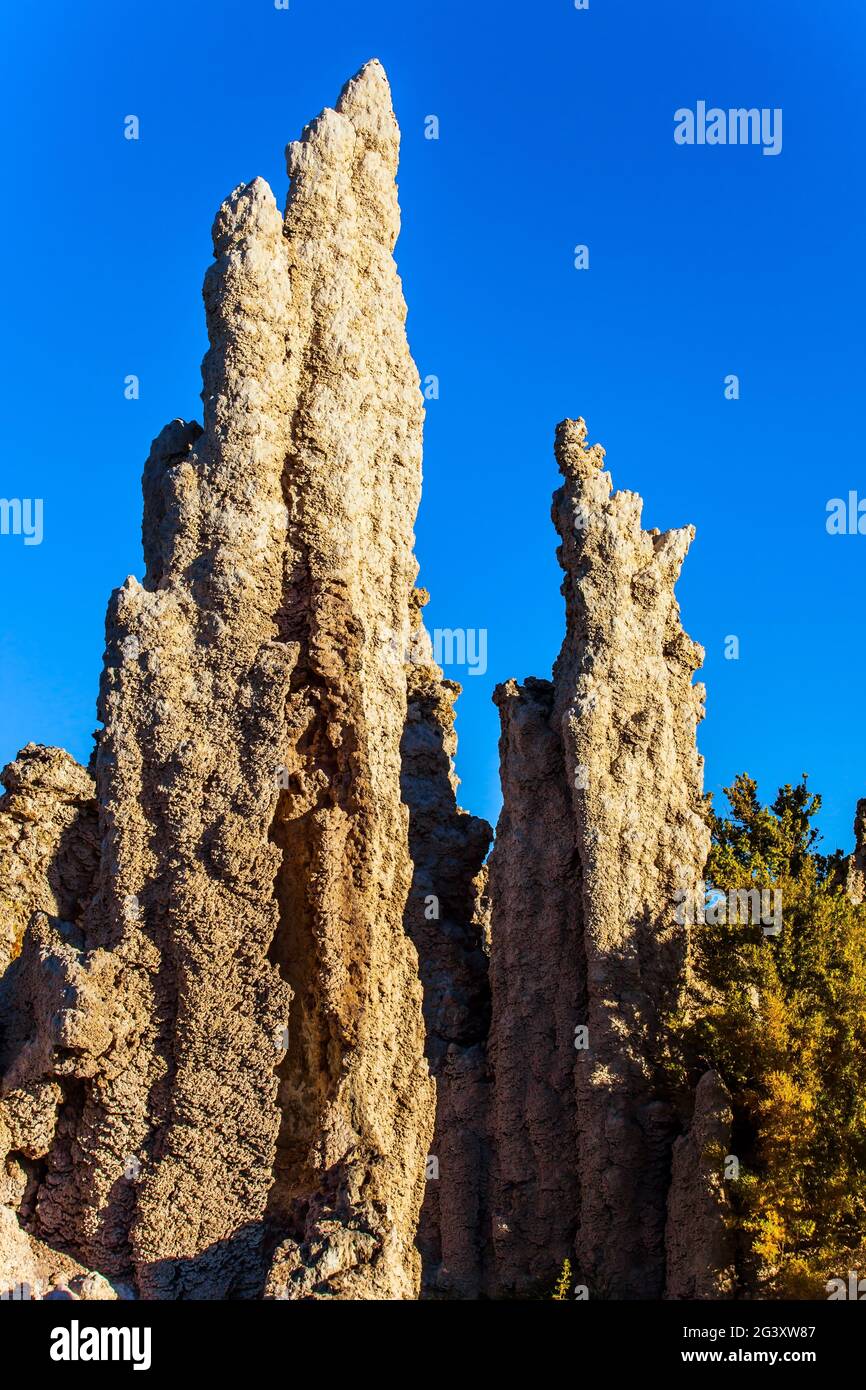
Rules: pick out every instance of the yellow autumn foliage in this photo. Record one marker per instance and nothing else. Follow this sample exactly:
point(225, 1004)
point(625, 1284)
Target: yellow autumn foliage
point(782, 1017)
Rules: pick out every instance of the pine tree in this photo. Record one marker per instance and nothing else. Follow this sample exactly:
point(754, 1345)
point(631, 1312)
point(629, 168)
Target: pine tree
point(783, 1019)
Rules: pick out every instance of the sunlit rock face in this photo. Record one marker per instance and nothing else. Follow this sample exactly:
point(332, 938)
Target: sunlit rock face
point(234, 1095)
point(600, 828)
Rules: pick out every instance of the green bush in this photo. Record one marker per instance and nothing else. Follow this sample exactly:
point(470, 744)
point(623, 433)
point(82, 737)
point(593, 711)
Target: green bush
point(783, 1020)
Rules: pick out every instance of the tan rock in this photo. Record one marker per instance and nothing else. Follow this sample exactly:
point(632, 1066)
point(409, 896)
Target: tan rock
point(538, 989)
point(445, 920)
point(601, 826)
point(855, 882)
point(240, 1047)
point(355, 1093)
point(699, 1236)
point(48, 841)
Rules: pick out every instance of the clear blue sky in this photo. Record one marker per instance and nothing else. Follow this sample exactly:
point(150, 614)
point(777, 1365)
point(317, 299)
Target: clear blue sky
point(556, 128)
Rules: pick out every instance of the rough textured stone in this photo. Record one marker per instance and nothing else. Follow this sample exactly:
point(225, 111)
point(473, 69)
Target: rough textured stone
point(48, 841)
point(699, 1239)
point(601, 827)
point(538, 990)
point(355, 1090)
point(445, 918)
point(49, 849)
point(247, 959)
point(235, 1081)
point(856, 868)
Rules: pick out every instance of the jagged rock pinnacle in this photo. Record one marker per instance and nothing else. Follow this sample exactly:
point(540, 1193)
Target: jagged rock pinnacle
point(574, 459)
point(601, 824)
point(252, 1106)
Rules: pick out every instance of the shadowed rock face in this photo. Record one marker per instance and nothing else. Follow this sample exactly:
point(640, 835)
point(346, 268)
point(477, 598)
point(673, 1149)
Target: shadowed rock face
point(700, 1246)
point(48, 842)
point(445, 918)
point(240, 1091)
point(49, 849)
point(538, 991)
point(601, 826)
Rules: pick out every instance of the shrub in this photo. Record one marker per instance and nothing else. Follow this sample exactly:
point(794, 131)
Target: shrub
point(783, 1019)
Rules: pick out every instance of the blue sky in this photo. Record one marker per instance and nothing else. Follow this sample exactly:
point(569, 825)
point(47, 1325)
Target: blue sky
point(556, 129)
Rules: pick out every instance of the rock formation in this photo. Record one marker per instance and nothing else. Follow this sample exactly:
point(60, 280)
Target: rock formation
point(601, 827)
point(445, 917)
point(538, 991)
point(48, 842)
point(855, 882)
point(223, 1080)
point(699, 1240)
point(262, 1033)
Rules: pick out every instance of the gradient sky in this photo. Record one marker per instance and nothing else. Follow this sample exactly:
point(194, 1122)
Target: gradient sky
point(556, 128)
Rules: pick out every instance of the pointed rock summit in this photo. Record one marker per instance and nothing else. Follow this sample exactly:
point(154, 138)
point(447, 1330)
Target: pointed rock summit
point(601, 824)
point(231, 1095)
